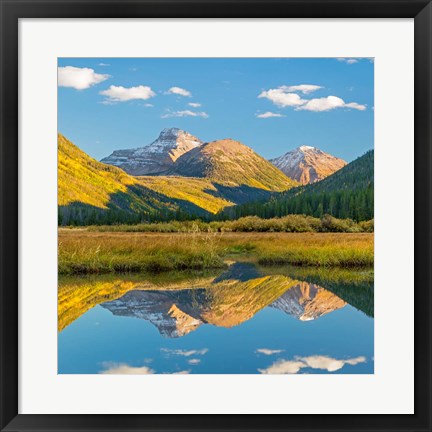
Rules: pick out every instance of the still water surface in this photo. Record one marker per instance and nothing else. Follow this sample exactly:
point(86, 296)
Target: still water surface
point(246, 320)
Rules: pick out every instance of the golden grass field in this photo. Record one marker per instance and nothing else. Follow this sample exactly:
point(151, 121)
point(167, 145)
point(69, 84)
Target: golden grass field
point(83, 251)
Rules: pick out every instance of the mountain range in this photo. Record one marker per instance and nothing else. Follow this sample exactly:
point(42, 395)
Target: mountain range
point(176, 152)
point(227, 300)
point(202, 181)
point(223, 299)
point(178, 176)
point(178, 312)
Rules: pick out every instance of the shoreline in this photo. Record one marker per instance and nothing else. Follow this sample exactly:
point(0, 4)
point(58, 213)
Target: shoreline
point(86, 252)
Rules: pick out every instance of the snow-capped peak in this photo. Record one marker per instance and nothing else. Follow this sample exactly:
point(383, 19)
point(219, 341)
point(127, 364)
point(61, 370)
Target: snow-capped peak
point(305, 148)
point(156, 157)
point(306, 302)
point(308, 164)
point(170, 132)
point(171, 138)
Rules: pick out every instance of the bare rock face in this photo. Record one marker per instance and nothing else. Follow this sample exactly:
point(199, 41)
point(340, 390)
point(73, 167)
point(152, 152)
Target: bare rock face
point(307, 302)
point(308, 164)
point(159, 308)
point(157, 157)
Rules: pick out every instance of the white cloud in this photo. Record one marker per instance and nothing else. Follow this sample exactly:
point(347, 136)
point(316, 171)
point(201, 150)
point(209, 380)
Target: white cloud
point(148, 105)
point(329, 103)
point(124, 94)
point(185, 113)
point(314, 362)
point(330, 364)
point(194, 361)
point(282, 98)
point(183, 372)
point(303, 88)
point(269, 114)
point(79, 78)
point(347, 60)
point(283, 367)
point(356, 360)
point(267, 351)
point(323, 104)
point(124, 369)
point(179, 91)
point(355, 105)
point(185, 353)
point(194, 104)
point(104, 64)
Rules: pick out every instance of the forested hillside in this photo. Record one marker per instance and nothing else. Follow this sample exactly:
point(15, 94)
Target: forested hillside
point(91, 192)
point(348, 193)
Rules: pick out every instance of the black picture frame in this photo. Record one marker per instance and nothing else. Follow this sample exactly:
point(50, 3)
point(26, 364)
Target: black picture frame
point(12, 10)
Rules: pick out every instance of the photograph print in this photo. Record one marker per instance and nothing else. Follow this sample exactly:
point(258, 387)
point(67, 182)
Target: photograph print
point(215, 216)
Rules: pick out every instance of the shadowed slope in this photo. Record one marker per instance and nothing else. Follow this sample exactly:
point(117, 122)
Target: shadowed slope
point(92, 192)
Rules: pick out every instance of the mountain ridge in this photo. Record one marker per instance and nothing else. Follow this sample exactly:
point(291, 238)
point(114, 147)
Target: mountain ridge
point(228, 162)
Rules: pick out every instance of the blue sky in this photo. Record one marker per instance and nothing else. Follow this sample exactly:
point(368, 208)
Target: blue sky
point(272, 105)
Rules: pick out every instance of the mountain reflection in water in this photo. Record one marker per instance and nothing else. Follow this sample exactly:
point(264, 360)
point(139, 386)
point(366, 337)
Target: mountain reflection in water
point(177, 313)
point(183, 304)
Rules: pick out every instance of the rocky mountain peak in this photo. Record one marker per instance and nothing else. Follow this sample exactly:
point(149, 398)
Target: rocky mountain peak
point(307, 302)
point(307, 164)
point(157, 157)
point(159, 308)
point(170, 131)
point(171, 134)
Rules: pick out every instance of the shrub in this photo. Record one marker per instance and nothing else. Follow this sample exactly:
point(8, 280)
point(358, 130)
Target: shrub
point(367, 226)
point(331, 224)
point(292, 223)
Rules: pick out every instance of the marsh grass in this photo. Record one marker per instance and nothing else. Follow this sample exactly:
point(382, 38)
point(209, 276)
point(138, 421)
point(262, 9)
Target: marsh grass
point(324, 276)
point(322, 250)
point(85, 252)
